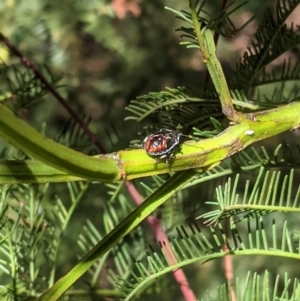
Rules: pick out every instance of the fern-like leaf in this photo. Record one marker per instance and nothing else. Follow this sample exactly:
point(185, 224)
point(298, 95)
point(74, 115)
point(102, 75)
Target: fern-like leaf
point(270, 193)
point(192, 245)
point(182, 102)
point(271, 40)
point(258, 287)
point(21, 85)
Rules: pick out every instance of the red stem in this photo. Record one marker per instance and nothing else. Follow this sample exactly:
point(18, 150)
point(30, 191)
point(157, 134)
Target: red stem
point(228, 265)
point(170, 256)
point(30, 65)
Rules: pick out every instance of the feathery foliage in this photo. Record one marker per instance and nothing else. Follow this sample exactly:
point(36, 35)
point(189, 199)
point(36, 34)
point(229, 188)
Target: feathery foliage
point(192, 245)
point(246, 206)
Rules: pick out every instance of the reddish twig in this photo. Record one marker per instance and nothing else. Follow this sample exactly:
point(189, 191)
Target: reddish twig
point(30, 65)
point(228, 265)
point(170, 256)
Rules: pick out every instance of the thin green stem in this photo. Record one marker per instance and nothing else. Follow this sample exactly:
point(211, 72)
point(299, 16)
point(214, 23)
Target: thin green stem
point(169, 188)
point(208, 50)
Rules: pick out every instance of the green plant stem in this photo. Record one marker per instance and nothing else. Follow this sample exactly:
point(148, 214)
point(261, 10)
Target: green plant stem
point(174, 184)
point(208, 152)
point(161, 236)
point(131, 164)
point(208, 257)
point(208, 50)
point(26, 138)
point(32, 171)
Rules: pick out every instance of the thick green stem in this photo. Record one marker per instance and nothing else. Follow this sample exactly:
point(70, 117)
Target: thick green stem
point(208, 50)
point(62, 164)
point(26, 138)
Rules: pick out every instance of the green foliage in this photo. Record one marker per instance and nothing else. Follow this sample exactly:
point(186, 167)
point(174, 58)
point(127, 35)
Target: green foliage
point(272, 39)
point(176, 106)
point(20, 87)
point(45, 229)
point(260, 199)
point(197, 247)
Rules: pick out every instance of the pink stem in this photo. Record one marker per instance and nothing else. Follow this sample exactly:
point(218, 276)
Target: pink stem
point(165, 244)
point(30, 65)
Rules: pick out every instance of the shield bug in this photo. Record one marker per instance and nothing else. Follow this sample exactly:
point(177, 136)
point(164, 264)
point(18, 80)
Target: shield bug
point(163, 144)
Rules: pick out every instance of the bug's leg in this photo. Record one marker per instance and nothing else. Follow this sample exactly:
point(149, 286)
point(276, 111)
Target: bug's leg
point(170, 158)
point(157, 160)
point(138, 145)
